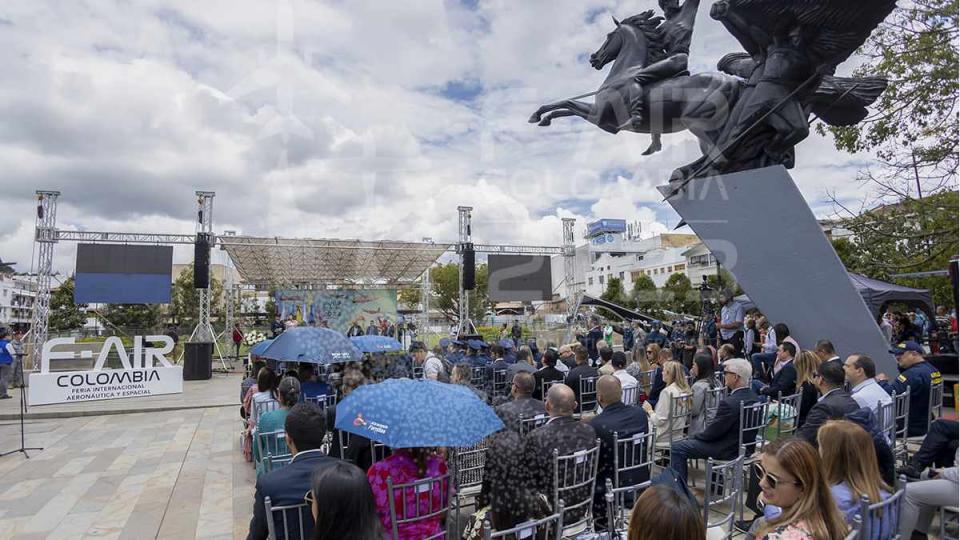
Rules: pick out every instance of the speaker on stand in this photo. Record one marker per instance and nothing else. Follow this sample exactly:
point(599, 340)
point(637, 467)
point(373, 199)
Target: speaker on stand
point(469, 268)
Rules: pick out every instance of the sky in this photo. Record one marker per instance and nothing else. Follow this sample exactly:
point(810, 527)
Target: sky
point(332, 119)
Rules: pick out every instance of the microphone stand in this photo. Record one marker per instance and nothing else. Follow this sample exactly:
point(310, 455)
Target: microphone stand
point(23, 408)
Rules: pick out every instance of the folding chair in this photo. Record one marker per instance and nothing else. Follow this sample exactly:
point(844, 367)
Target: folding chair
point(260, 407)
point(631, 453)
point(588, 395)
point(722, 492)
point(478, 376)
point(574, 478)
point(469, 463)
point(887, 421)
point(617, 530)
point(646, 380)
point(418, 373)
point(854, 533)
point(678, 420)
point(546, 388)
point(323, 401)
point(528, 424)
point(275, 462)
point(753, 418)
point(423, 500)
point(901, 418)
point(881, 520)
point(788, 410)
point(949, 521)
point(297, 515)
point(712, 401)
point(271, 443)
point(630, 395)
point(378, 451)
point(500, 383)
point(546, 528)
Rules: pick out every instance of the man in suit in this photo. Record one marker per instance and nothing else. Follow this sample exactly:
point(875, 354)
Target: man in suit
point(548, 373)
point(563, 433)
point(834, 402)
point(594, 336)
point(721, 438)
point(625, 421)
point(522, 405)
point(583, 369)
point(784, 374)
point(304, 427)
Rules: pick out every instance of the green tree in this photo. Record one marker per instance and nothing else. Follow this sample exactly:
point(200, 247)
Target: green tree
point(614, 293)
point(679, 295)
point(134, 317)
point(185, 304)
point(409, 296)
point(644, 295)
point(444, 281)
point(65, 315)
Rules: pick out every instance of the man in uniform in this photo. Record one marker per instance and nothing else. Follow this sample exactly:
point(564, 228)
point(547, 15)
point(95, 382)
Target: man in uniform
point(918, 375)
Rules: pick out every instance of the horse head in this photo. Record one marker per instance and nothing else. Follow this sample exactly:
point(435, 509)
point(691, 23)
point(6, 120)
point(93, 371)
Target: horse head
point(627, 40)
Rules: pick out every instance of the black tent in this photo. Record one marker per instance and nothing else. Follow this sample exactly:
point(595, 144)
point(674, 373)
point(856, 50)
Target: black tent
point(623, 312)
point(878, 295)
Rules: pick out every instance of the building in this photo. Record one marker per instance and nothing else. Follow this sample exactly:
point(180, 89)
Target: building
point(17, 294)
point(700, 263)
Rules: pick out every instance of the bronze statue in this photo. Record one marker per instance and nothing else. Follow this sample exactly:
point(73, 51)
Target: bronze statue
point(757, 109)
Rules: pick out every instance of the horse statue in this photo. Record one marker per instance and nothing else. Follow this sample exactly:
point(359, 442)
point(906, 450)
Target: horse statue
point(757, 109)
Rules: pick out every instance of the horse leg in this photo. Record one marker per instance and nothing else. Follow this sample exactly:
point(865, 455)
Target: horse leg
point(560, 113)
point(581, 109)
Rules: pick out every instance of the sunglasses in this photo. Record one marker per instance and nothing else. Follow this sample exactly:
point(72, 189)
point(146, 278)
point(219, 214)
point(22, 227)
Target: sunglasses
point(773, 481)
point(308, 497)
point(651, 352)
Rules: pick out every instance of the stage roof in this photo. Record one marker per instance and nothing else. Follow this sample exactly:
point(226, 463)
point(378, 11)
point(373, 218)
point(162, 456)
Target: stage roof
point(320, 263)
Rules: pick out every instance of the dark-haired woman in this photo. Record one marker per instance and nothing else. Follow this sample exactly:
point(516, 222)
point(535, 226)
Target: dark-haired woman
point(663, 513)
point(702, 373)
point(263, 391)
point(288, 395)
point(404, 466)
point(342, 504)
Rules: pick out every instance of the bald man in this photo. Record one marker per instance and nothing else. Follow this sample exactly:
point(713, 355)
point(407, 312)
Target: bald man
point(562, 432)
point(523, 405)
point(625, 421)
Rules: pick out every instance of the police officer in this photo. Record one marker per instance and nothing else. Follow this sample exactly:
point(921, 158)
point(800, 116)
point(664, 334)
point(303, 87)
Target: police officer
point(917, 375)
point(656, 335)
point(509, 351)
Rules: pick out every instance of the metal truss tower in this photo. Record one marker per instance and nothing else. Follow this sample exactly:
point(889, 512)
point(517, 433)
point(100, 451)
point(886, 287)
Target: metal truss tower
point(45, 238)
point(464, 324)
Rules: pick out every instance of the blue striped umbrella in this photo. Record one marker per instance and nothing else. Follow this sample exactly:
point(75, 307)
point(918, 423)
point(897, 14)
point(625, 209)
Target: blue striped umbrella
point(313, 345)
point(371, 344)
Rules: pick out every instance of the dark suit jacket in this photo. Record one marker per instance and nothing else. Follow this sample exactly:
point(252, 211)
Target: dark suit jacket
point(835, 404)
point(567, 435)
point(723, 433)
point(511, 411)
point(546, 374)
point(286, 486)
point(625, 420)
point(784, 381)
point(808, 398)
point(573, 378)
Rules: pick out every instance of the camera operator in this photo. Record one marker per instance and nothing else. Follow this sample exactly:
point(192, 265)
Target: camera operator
point(731, 321)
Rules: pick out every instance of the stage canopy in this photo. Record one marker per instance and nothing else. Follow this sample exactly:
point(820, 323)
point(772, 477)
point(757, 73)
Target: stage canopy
point(316, 263)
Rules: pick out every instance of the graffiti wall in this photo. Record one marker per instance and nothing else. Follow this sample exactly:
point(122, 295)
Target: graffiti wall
point(338, 308)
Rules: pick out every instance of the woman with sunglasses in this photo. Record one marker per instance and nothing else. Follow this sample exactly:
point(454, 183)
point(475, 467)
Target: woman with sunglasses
point(342, 504)
point(643, 359)
point(806, 363)
point(792, 480)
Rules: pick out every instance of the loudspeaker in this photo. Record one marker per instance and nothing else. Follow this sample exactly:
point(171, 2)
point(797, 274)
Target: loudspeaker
point(201, 262)
point(197, 358)
point(469, 268)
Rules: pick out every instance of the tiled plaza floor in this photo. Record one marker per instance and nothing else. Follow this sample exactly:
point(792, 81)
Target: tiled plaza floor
point(161, 474)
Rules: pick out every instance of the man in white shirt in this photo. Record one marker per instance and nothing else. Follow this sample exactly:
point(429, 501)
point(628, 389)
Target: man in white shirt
point(860, 371)
point(432, 366)
point(628, 383)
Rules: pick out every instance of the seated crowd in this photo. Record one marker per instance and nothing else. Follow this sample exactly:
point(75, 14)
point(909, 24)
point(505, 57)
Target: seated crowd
point(581, 401)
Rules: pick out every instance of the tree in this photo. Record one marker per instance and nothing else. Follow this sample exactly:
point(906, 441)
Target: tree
point(679, 295)
point(444, 281)
point(644, 295)
point(65, 315)
point(185, 304)
point(409, 296)
point(614, 294)
point(136, 317)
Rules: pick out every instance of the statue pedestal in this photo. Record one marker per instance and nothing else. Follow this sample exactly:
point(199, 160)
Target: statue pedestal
point(760, 228)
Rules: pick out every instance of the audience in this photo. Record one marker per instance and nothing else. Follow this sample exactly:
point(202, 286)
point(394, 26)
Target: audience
point(404, 466)
point(462, 373)
point(784, 380)
point(663, 356)
point(309, 386)
point(625, 421)
point(922, 500)
point(288, 394)
point(432, 366)
point(918, 375)
point(548, 373)
point(606, 355)
point(702, 373)
point(524, 363)
point(763, 361)
point(266, 391)
point(342, 504)
point(860, 371)
point(349, 446)
point(850, 471)
point(806, 365)
point(304, 429)
point(721, 438)
point(662, 512)
point(677, 389)
point(834, 402)
point(640, 361)
point(583, 369)
point(250, 382)
point(792, 481)
point(523, 405)
point(627, 381)
point(826, 352)
point(567, 358)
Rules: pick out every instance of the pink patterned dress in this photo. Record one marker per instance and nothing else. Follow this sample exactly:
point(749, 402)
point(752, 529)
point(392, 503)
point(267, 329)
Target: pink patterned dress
point(402, 469)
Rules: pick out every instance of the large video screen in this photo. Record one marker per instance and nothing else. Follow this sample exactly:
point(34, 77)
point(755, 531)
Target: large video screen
point(522, 278)
point(121, 274)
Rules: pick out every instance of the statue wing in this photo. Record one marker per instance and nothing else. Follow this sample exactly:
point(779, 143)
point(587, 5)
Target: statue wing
point(843, 101)
point(835, 28)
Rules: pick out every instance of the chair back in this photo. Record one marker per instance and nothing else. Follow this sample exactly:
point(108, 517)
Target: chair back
point(546, 388)
point(273, 462)
point(323, 401)
point(631, 453)
point(722, 491)
point(417, 502)
point(752, 419)
point(881, 520)
point(260, 407)
point(588, 395)
point(854, 533)
point(718, 379)
point(712, 401)
point(271, 443)
point(378, 451)
point(574, 477)
point(645, 379)
point(418, 373)
point(679, 416)
point(295, 520)
point(788, 412)
point(630, 395)
point(616, 513)
point(478, 376)
point(887, 421)
point(469, 463)
point(528, 424)
point(550, 527)
point(936, 401)
point(500, 384)
point(901, 418)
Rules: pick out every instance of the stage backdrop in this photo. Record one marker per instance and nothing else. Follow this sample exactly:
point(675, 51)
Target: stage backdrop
point(340, 308)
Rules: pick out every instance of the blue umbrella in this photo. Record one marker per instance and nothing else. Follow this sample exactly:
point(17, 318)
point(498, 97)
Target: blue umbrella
point(371, 344)
point(313, 345)
point(257, 350)
point(404, 413)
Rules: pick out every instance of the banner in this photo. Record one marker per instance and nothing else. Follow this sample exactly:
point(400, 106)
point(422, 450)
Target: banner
point(339, 309)
point(137, 378)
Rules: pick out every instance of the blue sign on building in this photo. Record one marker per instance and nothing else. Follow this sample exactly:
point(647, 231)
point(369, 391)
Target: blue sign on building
point(605, 226)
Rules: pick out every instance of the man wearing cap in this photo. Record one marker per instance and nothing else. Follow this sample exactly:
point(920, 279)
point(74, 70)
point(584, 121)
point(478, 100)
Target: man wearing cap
point(656, 335)
point(509, 351)
point(432, 366)
point(917, 375)
point(594, 336)
point(731, 321)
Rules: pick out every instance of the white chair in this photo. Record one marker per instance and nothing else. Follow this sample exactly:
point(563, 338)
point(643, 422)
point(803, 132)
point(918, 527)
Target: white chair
point(722, 492)
point(324, 401)
point(574, 478)
point(887, 421)
point(630, 395)
point(296, 517)
point(378, 451)
point(546, 388)
point(788, 414)
point(753, 419)
point(417, 502)
point(934, 410)
point(901, 418)
point(546, 528)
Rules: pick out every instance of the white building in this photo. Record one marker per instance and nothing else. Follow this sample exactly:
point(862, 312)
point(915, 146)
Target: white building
point(16, 300)
point(700, 263)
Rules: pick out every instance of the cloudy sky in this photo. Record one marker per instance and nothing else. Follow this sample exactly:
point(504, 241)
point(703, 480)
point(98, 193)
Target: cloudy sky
point(339, 119)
